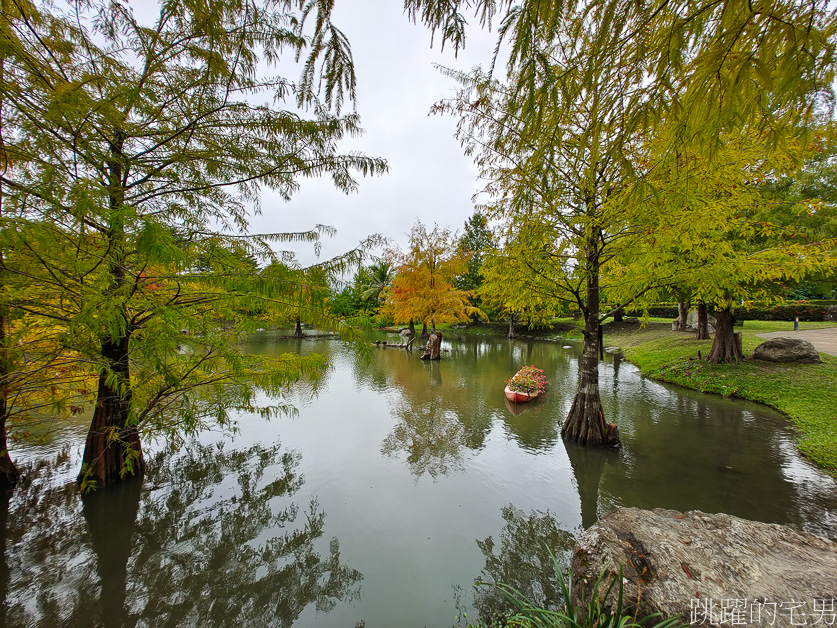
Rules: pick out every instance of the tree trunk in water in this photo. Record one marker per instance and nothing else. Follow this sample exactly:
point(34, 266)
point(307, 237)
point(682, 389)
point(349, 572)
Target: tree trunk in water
point(113, 448)
point(434, 343)
point(423, 331)
point(585, 422)
point(511, 326)
point(682, 316)
point(298, 331)
point(619, 315)
point(412, 329)
point(727, 344)
point(8, 471)
point(702, 332)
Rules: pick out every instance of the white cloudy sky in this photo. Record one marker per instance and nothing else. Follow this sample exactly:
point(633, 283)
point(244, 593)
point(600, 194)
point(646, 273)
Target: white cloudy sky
point(429, 176)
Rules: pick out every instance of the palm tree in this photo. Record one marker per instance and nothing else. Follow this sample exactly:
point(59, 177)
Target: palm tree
point(380, 276)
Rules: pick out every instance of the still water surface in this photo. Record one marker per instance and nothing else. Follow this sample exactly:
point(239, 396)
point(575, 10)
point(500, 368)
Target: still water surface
point(397, 486)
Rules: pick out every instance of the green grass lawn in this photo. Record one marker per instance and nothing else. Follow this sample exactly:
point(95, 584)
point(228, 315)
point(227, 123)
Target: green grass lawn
point(806, 393)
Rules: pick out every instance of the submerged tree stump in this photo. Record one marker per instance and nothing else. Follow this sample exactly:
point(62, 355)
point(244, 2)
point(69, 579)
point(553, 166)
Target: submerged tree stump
point(434, 344)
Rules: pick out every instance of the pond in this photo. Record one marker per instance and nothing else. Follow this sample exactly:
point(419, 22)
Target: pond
point(396, 486)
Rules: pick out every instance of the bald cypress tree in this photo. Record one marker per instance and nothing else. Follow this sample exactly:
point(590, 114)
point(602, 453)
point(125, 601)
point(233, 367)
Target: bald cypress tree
point(568, 131)
point(134, 152)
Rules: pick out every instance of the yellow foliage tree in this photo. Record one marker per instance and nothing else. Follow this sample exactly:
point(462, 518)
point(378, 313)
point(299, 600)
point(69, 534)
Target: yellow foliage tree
point(423, 288)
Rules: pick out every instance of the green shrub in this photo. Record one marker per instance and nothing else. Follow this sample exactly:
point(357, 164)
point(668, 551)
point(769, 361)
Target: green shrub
point(787, 311)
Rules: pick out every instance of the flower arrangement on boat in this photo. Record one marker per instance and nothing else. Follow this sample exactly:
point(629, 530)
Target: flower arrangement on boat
point(527, 384)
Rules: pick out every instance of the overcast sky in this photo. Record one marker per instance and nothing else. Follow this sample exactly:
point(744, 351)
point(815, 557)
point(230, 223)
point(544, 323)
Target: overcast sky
point(429, 176)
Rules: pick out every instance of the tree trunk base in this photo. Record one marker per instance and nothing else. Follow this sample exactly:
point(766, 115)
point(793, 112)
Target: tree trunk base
point(727, 346)
point(9, 474)
point(586, 426)
point(107, 462)
point(112, 450)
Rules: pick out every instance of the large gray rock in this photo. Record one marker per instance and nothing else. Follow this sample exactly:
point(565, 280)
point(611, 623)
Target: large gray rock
point(787, 350)
point(692, 319)
point(831, 313)
point(709, 569)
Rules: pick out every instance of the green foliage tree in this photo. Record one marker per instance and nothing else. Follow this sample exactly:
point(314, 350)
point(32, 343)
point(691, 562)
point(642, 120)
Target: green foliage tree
point(380, 277)
point(714, 236)
point(36, 377)
point(588, 84)
point(707, 65)
point(509, 287)
point(132, 148)
point(551, 168)
point(788, 205)
point(475, 244)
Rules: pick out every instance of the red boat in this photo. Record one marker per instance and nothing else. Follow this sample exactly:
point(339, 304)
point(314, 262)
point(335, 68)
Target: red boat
point(519, 397)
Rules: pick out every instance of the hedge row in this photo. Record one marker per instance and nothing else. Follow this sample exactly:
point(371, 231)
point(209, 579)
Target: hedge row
point(805, 310)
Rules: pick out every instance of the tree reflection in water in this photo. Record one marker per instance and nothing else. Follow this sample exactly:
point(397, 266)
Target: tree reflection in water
point(431, 435)
point(523, 562)
point(216, 540)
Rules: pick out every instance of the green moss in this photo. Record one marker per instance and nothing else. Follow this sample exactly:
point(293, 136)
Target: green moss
point(806, 393)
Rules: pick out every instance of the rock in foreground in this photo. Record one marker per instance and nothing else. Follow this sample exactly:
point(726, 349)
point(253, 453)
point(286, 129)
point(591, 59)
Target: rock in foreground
point(710, 569)
point(787, 350)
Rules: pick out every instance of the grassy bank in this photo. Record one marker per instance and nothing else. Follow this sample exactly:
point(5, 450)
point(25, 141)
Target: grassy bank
point(806, 393)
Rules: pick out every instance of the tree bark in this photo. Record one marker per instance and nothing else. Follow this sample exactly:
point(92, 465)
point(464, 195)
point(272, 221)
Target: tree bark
point(298, 331)
point(727, 346)
point(412, 329)
point(682, 316)
point(585, 422)
point(424, 331)
point(9, 473)
point(434, 344)
point(702, 332)
point(511, 326)
point(113, 450)
point(619, 315)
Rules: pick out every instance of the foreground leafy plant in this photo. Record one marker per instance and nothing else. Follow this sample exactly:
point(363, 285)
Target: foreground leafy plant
point(585, 614)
